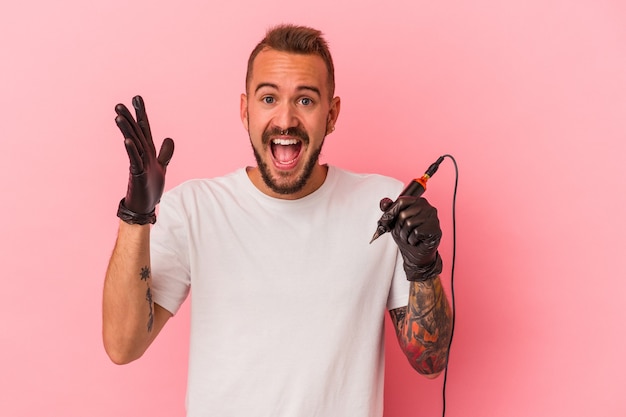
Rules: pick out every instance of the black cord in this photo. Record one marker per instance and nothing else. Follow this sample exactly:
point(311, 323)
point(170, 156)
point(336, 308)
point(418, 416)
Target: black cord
point(445, 374)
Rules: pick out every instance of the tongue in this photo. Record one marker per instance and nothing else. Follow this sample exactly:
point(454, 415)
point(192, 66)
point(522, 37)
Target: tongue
point(285, 153)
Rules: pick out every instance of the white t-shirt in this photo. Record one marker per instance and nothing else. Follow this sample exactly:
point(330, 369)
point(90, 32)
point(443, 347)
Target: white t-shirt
point(288, 297)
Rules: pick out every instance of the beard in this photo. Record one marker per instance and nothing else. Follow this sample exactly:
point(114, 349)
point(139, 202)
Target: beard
point(282, 185)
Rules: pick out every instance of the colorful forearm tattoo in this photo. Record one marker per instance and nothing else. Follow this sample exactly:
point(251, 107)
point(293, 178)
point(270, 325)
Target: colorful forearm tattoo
point(423, 327)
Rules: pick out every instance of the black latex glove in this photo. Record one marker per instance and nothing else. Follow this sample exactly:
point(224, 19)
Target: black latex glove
point(417, 233)
point(147, 171)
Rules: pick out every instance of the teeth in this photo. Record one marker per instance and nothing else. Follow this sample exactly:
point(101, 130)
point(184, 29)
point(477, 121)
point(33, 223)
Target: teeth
point(284, 142)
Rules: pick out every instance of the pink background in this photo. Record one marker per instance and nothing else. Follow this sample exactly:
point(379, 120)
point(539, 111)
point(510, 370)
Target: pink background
point(529, 96)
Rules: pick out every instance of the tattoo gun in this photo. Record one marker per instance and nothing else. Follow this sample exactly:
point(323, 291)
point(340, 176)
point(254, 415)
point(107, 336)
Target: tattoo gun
point(415, 189)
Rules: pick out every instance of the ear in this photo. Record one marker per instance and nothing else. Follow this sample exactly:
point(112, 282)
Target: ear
point(243, 111)
point(333, 115)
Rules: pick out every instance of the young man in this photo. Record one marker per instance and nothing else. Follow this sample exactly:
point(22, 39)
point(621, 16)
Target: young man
point(287, 295)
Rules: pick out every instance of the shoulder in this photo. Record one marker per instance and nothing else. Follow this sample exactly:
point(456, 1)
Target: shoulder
point(206, 185)
point(203, 193)
point(366, 181)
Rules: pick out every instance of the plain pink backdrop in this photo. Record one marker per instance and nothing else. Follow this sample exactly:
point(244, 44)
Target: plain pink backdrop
point(529, 96)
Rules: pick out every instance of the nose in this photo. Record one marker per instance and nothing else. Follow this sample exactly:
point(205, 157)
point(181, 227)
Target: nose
point(285, 117)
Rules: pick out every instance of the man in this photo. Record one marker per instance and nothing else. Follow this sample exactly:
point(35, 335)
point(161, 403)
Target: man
point(287, 295)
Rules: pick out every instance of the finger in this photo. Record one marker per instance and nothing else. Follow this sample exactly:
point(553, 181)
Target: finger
point(129, 133)
point(385, 203)
point(424, 229)
point(166, 152)
point(123, 111)
point(412, 212)
point(419, 223)
point(142, 121)
point(136, 163)
point(388, 219)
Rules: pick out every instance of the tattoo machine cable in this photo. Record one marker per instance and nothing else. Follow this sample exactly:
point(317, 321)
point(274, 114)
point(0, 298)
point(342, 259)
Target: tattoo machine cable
point(415, 189)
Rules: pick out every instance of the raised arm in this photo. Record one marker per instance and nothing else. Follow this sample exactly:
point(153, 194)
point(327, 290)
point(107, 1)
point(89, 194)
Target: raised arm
point(424, 326)
point(130, 319)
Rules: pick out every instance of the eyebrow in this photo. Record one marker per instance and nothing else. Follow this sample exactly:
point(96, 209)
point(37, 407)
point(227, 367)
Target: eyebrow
point(299, 88)
point(262, 85)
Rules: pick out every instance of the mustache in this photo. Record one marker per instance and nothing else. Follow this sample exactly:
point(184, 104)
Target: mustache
point(296, 132)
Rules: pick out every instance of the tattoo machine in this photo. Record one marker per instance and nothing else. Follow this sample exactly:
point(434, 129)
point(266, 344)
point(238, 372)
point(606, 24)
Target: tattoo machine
point(415, 189)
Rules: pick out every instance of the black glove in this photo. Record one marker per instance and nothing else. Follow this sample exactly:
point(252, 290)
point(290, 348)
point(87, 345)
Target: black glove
point(147, 171)
point(417, 233)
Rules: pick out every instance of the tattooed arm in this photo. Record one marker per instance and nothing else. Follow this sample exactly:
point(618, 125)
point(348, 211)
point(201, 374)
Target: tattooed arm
point(130, 319)
point(423, 327)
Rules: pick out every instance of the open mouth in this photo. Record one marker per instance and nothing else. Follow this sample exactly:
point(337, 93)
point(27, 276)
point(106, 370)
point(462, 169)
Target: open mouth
point(286, 151)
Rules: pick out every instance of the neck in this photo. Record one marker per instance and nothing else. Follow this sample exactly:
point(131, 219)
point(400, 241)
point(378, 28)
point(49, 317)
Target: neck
point(315, 181)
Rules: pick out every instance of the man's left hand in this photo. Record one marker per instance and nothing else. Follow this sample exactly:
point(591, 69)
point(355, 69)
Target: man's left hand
point(417, 233)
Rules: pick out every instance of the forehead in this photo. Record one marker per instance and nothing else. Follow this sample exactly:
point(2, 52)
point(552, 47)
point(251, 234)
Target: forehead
point(288, 70)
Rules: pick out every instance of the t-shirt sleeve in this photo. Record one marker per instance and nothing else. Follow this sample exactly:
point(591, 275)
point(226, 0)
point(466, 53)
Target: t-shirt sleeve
point(169, 258)
point(399, 290)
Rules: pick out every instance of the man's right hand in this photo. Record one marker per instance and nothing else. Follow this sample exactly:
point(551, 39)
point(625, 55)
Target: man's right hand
point(147, 171)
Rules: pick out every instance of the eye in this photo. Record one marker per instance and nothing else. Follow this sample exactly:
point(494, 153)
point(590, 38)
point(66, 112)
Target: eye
point(268, 100)
point(305, 101)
